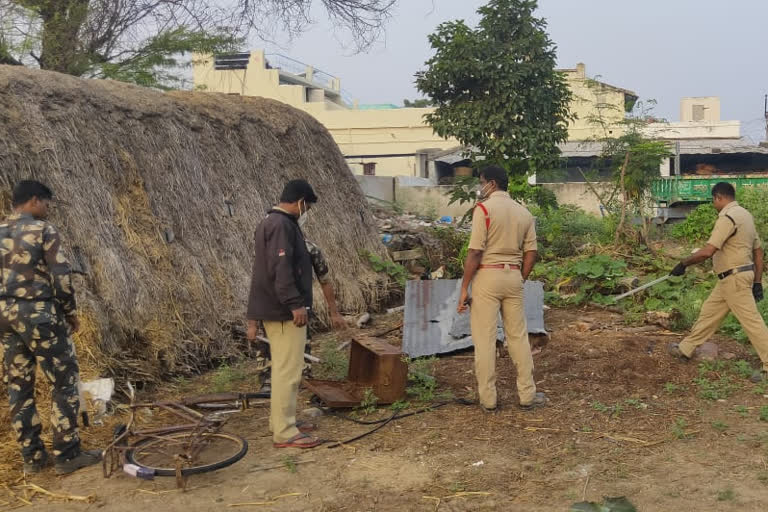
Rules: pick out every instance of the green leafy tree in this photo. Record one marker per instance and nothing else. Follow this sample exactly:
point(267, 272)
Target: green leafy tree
point(144, 41)
point(496, 90)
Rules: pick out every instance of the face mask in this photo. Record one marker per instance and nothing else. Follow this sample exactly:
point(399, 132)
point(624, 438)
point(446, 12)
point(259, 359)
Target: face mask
point(302, 216)
point(482, 193)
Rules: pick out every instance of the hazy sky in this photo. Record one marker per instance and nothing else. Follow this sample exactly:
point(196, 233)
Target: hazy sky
point(661, 49)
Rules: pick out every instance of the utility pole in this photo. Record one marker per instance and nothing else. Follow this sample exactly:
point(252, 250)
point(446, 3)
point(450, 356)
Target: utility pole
point(766, 117)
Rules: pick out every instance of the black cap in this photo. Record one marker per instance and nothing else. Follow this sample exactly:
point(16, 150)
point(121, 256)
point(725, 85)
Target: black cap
point(298, 189)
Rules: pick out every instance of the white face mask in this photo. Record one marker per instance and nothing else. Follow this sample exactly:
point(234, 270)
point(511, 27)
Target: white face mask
point(482, 193)
point(302, 216)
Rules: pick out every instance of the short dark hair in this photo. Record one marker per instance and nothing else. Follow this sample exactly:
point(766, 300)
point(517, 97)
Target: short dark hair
point(724, 189)
point(298, 189)
point(497, 174)
point(25, 190)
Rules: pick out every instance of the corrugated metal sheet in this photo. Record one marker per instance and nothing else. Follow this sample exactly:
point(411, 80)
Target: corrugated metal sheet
point(432, 325)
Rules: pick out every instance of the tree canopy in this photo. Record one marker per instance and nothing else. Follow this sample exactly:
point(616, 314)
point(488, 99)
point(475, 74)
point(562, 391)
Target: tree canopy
point(496, 88)
point(141, 40)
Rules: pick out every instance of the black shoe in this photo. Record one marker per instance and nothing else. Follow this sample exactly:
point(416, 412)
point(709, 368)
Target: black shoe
point(36, 466)
point(85, 459)
point(490, 410)
point(539, 400)
point(759, 376)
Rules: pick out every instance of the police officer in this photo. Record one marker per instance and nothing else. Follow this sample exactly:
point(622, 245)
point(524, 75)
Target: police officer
point(502, 252)
point(37, 311)
point(737, 258)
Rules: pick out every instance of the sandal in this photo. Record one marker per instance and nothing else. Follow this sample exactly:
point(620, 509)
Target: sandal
point(305, 426)
point(296, 442)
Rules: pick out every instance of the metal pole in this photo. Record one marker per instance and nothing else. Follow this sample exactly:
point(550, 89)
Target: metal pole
point(677, 158)
point(643, 287)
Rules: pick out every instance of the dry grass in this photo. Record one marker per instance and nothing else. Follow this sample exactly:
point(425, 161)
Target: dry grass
point(134, 164)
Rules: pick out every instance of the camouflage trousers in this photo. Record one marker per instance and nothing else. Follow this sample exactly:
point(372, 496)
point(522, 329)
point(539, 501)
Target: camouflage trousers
point(32, 332)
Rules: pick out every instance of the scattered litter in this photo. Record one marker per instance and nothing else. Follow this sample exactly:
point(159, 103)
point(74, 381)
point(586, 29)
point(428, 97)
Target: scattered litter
point(100, 392)
point(364, 319)
point(396, 310)
point(313, 412)
point(438, 274)
point(478, 463)
point(620, 504)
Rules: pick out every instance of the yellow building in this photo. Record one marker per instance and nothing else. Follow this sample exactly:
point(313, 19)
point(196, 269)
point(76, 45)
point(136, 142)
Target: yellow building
point(383, 140)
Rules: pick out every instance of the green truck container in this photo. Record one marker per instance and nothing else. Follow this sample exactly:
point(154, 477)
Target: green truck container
point(691, 190)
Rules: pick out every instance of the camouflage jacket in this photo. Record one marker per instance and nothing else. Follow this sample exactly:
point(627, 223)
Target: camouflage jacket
point(318, 262)
point(32, 266)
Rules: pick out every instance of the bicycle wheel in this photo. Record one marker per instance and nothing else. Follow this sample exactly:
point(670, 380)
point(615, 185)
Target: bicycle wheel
point(212, 451)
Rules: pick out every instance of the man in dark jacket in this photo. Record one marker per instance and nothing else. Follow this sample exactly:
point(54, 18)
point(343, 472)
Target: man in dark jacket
point(280, 298)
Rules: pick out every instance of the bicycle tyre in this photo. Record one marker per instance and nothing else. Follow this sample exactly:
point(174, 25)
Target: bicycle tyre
point(240, 443)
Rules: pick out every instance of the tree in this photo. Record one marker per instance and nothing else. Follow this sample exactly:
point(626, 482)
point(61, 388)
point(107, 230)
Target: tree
point(496, 88)
point(419, 103)
point(141, 40)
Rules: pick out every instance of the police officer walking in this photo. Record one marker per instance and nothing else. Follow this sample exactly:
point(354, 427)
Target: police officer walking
point(737, 258)
point(502, 252)
point(37, 311)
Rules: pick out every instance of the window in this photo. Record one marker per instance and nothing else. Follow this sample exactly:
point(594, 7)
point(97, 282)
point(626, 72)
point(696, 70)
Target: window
point(369, 169)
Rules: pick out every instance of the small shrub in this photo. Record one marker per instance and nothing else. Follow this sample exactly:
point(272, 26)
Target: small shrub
point(764, 413)
point(720, 426)
point(697, 226)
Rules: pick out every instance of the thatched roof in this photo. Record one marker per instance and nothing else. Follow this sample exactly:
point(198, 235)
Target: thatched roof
point(138, 166)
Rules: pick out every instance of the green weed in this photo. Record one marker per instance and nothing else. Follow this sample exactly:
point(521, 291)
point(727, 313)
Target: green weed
point(290, 464)
point(726, 495)
point(422, 384)
point(368, 403)
point(225, 378)
point(763, 477)
point(399, 406)
point(612, 410)
point(764, 413)
point(334, 363)
point(671, 387)
point(742, 410)
point(719, 426)
point(678, 428)
point(395, 271)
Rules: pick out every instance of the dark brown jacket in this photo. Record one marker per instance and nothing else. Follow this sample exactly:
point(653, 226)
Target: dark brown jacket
point(282, 269)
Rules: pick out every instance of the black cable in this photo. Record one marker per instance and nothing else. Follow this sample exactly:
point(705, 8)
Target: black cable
point(382, 423)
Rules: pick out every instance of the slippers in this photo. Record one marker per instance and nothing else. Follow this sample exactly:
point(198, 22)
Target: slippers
point(296, 442)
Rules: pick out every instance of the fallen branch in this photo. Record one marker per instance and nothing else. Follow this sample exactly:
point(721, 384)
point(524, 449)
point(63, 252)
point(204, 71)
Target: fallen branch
point(57, 496)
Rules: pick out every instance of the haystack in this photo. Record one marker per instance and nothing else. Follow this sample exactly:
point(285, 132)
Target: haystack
point(163, 192)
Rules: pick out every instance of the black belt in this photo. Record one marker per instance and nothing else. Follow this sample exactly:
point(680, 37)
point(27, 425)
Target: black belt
point(745, 268)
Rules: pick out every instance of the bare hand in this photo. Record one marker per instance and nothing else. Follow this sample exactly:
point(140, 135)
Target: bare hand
point(300, 317)
point(338, 322)
point(253, 331)
point(464, 301)
point(74, 323)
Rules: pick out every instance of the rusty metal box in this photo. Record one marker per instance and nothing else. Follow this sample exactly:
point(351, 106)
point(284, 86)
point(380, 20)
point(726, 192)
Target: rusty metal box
point(373, 364)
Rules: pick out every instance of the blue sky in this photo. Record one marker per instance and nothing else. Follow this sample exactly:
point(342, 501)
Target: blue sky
point(663, 50)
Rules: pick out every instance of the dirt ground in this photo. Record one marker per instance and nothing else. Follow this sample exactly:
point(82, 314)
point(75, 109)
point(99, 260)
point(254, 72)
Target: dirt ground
point(624, 420)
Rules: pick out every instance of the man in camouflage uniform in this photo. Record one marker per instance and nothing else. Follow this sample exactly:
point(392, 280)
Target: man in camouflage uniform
point(37, 310)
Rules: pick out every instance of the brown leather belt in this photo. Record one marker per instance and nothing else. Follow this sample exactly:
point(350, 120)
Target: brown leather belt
point(502, 265)
point(745, 268)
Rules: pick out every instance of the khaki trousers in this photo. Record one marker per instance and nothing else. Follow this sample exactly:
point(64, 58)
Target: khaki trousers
point(734, 293)
point(492, 290)
point(287, 348)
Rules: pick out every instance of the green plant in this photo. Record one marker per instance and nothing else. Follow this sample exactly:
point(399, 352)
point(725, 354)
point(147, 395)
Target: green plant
point(399, 406)
point(716, 380)
point(742, 410)
point(334, 364)
point(726, 495)
point(697, 226)
point(763, 477)
point(421, 383)
point(764, 413)
point(290, 463)
point(612, 410)
point(719, 425)
point(742, 368)
point(671, 387)
point(395, 271)
point(678, 428)
point(368, 403)
point(225, 377)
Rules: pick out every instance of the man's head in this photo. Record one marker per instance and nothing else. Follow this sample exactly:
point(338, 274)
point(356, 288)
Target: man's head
point(32, 197)
point(297, 197)
point(493, 178)
point(722, 194)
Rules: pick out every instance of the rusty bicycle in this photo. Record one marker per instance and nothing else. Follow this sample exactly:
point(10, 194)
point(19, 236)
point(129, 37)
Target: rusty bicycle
point(197, 445)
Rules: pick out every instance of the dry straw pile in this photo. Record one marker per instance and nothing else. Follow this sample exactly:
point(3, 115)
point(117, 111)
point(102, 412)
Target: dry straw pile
point(163, 193)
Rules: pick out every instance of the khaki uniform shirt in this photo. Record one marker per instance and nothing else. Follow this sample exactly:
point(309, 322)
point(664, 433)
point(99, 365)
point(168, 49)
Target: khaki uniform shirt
point(510, 232)
point(735, 237)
